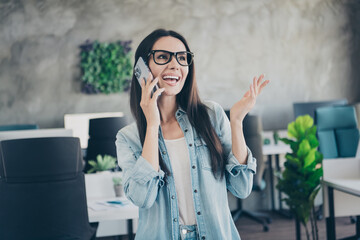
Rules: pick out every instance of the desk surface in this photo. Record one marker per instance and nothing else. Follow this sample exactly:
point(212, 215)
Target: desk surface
point(273, 149)
point(99, 210)
point(351, 185)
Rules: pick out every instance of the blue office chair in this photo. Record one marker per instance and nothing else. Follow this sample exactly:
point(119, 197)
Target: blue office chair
point(337, 131)
point(42, 190)
point(303, 108)
point(18, 127)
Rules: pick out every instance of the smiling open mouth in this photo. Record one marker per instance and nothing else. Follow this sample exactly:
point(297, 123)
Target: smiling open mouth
point(171, 80)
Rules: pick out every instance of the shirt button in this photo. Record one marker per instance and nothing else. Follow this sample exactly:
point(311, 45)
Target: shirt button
point(203, 237)
point(178, 114)
point(172, 197)
point(175, 220)
point(164, 152)
point(190, 144)
point(193, 166)
point(195, 191)
point(198, 213)
point(186, 130)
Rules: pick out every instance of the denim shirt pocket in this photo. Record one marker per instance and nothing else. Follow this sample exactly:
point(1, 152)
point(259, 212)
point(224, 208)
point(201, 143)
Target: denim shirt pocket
point(203, 154)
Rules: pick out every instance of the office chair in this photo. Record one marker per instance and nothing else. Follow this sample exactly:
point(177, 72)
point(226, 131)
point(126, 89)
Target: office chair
point(303, 108)
point(18, 127)
point(102, 132)
point(337, 133)
point(252, 132)
point(42, 190)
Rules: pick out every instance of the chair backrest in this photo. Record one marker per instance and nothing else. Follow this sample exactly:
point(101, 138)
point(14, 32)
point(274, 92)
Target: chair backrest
point(102, 132)
point(18, 127)
point(252, 128)
point(79, 123)
point(337, 131)
point(302, 108)
point(42, 190)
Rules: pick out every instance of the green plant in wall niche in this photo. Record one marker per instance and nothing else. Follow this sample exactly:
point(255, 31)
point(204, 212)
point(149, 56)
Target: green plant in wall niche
point(106, 67)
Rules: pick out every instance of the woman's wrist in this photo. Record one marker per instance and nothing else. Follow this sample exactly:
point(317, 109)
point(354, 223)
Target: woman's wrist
point(153, 128)
point(236, 124)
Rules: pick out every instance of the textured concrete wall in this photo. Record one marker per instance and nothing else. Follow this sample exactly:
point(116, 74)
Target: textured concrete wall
point(309, 49)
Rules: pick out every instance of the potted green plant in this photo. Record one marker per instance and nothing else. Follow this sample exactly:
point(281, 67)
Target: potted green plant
point(300, 180)
point(118, 188)
point(102, 163)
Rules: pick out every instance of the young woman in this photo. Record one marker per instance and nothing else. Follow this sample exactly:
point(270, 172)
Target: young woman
point(182, 155)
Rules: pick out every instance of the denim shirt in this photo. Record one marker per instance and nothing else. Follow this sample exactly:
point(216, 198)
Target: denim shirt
point(156, 197)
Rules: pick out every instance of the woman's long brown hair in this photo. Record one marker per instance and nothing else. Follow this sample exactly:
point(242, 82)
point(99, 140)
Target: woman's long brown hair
point(188, 99)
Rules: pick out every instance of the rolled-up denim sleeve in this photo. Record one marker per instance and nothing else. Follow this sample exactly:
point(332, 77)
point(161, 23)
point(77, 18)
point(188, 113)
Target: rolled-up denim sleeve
point(141, 181)
point(239, 177)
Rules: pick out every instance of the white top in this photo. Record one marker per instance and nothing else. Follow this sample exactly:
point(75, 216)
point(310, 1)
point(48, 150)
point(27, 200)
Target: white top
point(180, 164)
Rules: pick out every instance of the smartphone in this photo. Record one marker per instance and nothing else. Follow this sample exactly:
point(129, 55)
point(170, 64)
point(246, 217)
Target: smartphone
point(142, 71)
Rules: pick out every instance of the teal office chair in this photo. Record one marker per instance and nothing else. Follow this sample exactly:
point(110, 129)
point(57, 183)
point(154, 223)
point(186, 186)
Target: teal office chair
point(337, 131)
point(303, 108)
point(18, 127)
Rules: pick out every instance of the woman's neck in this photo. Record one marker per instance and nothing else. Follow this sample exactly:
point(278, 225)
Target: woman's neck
point(167, 106)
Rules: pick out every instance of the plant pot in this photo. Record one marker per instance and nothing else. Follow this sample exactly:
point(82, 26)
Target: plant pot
point(119, 191)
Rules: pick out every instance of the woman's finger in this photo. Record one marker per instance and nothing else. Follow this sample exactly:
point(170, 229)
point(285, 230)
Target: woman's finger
point(254, 84)
point(157, 93)
point(252, 90)
point(153, 83)
point(147, 89)
point(263, 85)
point(260, 79)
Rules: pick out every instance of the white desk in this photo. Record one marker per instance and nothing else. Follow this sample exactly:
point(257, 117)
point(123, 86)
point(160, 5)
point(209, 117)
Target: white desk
point(113, 219)
point(349, 186)
point(36, 133)
point(271, 151)
point(99, 212)
point(341, 185)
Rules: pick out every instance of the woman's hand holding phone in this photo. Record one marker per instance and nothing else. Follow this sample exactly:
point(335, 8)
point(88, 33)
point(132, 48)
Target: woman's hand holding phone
point(148, 101)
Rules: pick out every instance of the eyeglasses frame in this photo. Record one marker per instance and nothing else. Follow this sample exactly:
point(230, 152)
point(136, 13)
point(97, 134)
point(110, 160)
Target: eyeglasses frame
point(171, 55)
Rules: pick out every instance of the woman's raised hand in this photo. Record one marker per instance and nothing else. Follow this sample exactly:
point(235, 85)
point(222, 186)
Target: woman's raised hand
point(148, 103)
point(247, 102)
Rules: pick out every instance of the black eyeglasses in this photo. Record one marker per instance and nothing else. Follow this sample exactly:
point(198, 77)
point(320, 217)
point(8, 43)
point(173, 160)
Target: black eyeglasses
point(162, 57)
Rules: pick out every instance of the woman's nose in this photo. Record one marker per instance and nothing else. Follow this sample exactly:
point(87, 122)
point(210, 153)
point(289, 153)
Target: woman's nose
point(173, 64)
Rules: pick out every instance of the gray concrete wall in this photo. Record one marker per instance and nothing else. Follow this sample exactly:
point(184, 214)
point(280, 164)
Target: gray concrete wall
point(309, 49)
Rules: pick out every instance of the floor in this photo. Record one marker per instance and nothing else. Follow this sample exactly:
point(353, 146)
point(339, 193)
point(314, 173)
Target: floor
point(281, 228)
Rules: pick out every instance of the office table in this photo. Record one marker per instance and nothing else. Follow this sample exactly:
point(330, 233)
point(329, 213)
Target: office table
point(350, 186)
point(271, 151)
point(100, 210)
point(112, 218)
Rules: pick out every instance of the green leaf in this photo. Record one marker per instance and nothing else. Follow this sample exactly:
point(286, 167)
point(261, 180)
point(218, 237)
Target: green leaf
point(310, 158)
point(304, 149)
point(292, 132)
point(106, 66)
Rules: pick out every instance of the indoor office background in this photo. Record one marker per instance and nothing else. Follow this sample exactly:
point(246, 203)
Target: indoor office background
point(309, 49)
